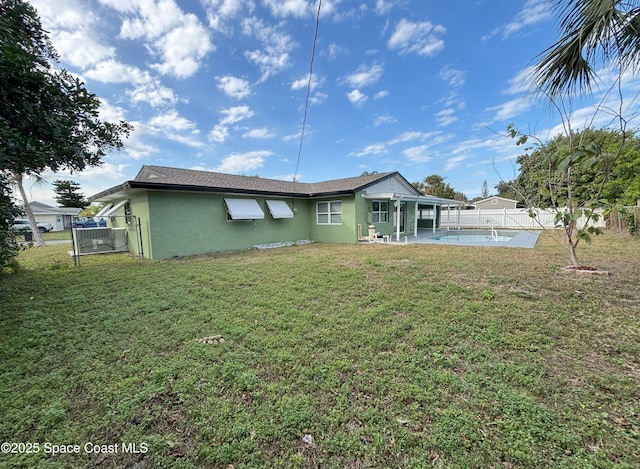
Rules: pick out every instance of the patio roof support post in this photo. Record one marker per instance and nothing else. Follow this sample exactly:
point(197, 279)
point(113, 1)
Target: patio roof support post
point(415, 220)
point(435, 217)
point(397, 204)
point(458, 217)
point(448, 216)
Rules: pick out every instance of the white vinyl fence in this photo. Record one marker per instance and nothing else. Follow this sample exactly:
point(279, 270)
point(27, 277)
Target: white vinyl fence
point(516, 218)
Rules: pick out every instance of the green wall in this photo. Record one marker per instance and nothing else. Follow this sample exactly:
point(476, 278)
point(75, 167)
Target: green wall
point(187, 223)
point(343, 233)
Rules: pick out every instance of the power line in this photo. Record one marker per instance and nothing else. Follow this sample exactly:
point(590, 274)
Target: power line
point(306, 102)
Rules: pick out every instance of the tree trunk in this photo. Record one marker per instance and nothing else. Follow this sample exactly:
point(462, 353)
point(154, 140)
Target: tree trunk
point(37, 236)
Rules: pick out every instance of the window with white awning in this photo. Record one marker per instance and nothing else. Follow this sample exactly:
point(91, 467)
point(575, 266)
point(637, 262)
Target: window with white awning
point(279, 209)
point(244, 209)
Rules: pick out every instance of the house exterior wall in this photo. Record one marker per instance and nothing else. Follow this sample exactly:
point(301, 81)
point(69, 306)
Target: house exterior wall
point(495, 203)
point(346, 232)
point(188, 223)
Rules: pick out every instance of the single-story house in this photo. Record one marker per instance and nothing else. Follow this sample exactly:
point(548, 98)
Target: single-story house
point(60, 217)
point(178, 212)
point(495, 202)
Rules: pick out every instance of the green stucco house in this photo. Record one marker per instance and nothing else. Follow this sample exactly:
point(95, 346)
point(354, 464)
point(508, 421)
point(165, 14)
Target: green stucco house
point(179, 212)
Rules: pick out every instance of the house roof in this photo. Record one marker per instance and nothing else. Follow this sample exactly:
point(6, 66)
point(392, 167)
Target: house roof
point(166, 178)
point(496, 197)
point(39, 208)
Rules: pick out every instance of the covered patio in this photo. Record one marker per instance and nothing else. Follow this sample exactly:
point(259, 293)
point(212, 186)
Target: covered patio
point(415, 215)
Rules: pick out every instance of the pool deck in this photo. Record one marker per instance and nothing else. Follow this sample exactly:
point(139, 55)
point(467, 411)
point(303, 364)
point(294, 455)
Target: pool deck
point(522, 238)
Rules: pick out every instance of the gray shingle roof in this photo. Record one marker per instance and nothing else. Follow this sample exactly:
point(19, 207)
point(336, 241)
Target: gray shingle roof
point(185, 178)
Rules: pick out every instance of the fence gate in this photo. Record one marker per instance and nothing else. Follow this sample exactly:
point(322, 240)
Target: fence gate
point(115, 234)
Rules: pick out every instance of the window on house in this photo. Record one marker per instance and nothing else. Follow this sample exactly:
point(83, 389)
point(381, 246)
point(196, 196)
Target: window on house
point(329, 213)
point(494, 201)
point(279, 209)
point(243, 209)
point(380, 211)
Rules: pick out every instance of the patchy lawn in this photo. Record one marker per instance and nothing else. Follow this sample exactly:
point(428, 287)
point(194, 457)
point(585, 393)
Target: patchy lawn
point(324, 356)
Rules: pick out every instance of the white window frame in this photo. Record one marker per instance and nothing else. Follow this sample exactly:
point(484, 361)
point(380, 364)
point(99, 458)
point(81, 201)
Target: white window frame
point(329, 212)
point(494, 201)
point(376, 215)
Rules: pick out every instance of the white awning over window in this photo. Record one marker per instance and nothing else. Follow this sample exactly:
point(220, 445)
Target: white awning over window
point(103, 210)
point(279, 209)
point(244, 209)
point(115, 208)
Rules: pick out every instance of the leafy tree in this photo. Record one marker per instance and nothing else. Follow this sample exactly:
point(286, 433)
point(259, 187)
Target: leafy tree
point(91, 210)
point(542, 183)
point(569, 175)
point(48, 120)
point(507, 189)
point(8, 211)
point(592, 31)
point(435, 185)
point(485, 190)
point(68, 194)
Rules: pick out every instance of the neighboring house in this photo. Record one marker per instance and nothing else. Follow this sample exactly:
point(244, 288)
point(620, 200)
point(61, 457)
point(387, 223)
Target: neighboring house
point(179, 212)
point(495, 202)
point(60, 217)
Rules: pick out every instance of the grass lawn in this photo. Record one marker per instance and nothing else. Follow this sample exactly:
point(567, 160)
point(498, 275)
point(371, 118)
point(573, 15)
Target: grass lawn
point(332, 356)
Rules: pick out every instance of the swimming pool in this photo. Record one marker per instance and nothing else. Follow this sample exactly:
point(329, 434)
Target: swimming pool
point(502, 238)
point(476, 237)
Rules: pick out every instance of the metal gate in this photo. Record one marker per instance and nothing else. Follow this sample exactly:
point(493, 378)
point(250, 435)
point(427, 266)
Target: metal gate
point(119, 233)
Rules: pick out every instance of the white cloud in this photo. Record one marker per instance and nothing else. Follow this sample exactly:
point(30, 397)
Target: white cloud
point(383, 7)
point(237, 163)
point(236, 114)
point(112, 71)
point(274, 57)
point(70, 23)
point(522, 82)
point(375, 149)
point(172, 120)
point(333, 51)
point(451, 76)
point(220, 131)
point(261, 133)
point(153, 93)
point(303, 82)
point(381, 94)
point(533, 11)
point(420, 38)
point(356, 97)
point(177, 37)
point(453, 162)
point(510, 109)
point(383, 119)
point(418, 154)
point(234, 87)
point(446, 117)
point(283, 8)
point(364, 76)
point(220, 10)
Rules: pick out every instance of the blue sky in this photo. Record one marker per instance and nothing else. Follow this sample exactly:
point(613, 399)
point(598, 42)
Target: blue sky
point(413, 86)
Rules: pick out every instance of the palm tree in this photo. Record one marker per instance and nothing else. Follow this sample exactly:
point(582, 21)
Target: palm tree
point(591, 31)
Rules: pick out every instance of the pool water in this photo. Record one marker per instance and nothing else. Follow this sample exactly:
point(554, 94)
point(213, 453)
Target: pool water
point(475, 237)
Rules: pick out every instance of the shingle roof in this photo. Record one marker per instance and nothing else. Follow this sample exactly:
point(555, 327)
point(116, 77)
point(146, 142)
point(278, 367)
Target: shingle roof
point(162, 177)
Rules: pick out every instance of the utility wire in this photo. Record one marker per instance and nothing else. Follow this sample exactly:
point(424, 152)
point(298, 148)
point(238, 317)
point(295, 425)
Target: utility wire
point(306, 102)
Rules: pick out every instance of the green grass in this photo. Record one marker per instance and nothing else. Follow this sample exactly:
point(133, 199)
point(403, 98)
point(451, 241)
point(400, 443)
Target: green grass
point(388, 356)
